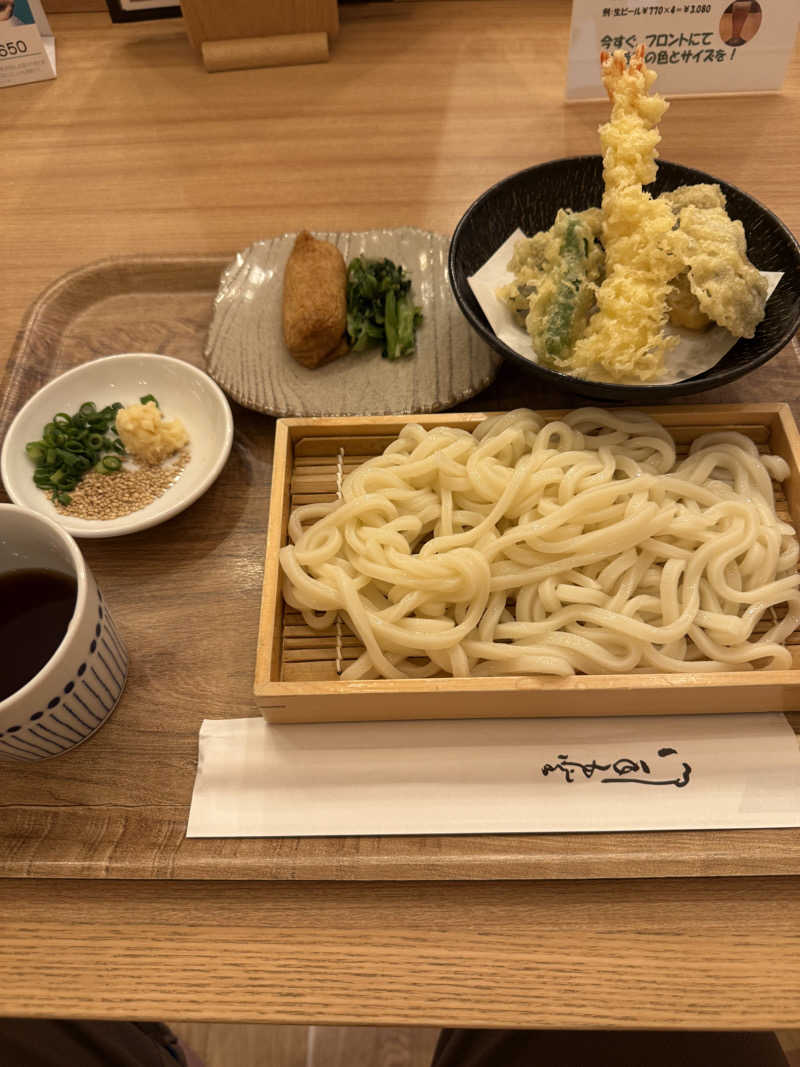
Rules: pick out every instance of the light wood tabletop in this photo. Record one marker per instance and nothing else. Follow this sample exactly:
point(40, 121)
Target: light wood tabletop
point(108, 911)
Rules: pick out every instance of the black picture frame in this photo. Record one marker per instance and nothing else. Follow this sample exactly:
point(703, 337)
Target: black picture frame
point(163, 11)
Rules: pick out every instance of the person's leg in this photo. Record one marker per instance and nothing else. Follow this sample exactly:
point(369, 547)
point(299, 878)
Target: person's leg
point(622, 1048)
point(73, 1043)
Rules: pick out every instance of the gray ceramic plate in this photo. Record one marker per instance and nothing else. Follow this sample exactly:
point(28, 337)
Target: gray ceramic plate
point(246, 354)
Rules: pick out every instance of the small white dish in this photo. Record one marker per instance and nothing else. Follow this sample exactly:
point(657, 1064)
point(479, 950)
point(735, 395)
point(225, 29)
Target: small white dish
point(181, 390)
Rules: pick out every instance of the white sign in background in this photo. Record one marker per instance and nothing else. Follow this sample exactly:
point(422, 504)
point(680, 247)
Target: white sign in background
point(27, 46)
point(687, 44)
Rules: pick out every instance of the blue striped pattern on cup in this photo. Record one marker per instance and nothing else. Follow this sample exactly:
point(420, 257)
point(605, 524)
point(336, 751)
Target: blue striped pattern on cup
point(82, 706)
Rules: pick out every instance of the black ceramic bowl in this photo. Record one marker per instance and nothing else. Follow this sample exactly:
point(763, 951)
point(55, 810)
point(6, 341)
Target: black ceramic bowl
point(530, 199)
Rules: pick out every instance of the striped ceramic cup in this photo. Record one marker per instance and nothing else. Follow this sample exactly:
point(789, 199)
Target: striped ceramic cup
point(79, 686)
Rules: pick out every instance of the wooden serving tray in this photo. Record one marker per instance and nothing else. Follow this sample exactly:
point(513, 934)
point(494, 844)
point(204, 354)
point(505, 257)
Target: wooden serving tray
point(187, 596)
point(297, 668)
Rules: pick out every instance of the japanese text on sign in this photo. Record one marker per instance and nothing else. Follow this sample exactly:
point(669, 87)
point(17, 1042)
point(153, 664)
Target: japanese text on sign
point(724, 46)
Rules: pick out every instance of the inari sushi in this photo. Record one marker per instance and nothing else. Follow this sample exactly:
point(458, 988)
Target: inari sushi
point(315, 301)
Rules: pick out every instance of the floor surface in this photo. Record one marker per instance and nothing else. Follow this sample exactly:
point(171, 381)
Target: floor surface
point(257, 1045)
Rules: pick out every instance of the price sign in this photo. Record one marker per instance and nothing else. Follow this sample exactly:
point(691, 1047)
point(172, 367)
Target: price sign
point(712, 47)
point(27, 47)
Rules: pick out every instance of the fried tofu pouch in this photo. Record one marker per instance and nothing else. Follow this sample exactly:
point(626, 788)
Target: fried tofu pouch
point(315, 301)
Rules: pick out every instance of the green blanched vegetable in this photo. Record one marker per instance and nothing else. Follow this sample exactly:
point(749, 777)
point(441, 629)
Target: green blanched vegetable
point(73, 444)
point(380, 309)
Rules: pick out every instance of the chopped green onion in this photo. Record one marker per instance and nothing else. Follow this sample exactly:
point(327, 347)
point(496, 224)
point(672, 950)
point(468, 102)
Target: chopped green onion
point(71, 445)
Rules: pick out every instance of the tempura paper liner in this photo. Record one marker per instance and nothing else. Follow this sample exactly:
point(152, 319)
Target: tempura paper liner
point(696, 352)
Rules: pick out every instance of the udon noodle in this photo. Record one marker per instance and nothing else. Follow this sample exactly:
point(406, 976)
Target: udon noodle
point(533, 547)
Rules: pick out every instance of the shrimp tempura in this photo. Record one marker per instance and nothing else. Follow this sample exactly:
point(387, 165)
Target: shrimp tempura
point(643, 252)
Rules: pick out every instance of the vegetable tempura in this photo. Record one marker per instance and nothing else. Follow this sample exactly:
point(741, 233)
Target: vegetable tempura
point(597, 289)
point(556, 272)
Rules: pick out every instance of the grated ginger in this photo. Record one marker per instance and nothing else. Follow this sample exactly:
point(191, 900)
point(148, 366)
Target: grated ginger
point(147, 435)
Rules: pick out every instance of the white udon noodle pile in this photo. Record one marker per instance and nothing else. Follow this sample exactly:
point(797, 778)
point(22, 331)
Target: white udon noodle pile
point(528, 547)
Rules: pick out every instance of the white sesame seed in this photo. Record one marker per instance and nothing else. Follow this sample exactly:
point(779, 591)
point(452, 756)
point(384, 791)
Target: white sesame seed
point(110, 496)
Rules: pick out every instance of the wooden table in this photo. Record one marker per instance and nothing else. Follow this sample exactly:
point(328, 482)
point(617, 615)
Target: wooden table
point(107, 910)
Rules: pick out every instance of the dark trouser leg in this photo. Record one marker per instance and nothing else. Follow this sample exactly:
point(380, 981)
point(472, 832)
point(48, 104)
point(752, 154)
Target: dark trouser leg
point(620, 1048)
point(67, 1043)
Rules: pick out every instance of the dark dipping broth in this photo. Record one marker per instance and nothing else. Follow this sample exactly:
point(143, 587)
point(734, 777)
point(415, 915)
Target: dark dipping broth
point(35, 609)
